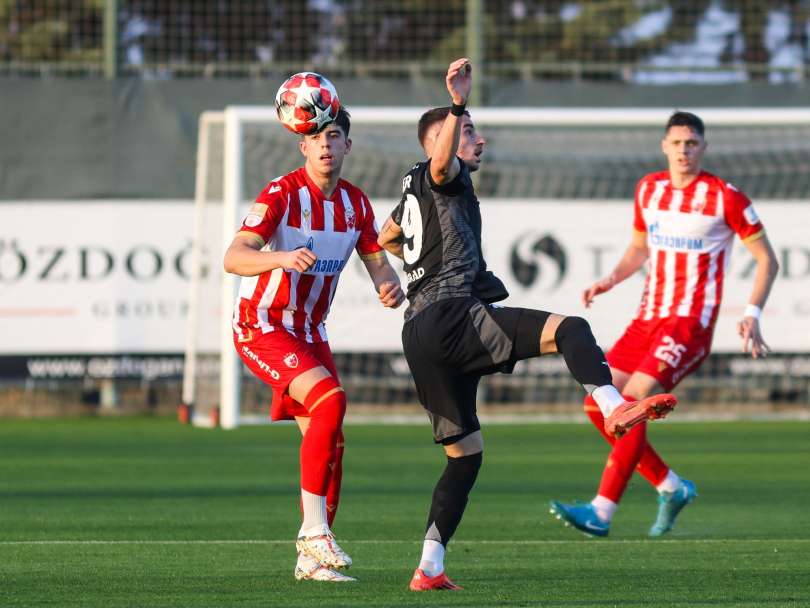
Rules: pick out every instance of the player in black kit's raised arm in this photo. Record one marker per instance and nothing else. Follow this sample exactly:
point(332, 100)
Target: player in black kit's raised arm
point(453, 335)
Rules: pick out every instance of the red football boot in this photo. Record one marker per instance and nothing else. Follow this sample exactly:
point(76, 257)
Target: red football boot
point(423, 582)
point(630, 413)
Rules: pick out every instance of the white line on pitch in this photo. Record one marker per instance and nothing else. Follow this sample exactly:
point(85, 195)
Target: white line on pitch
point(415, 541)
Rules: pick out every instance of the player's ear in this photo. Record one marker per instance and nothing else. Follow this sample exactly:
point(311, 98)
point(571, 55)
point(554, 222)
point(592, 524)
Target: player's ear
point(302, 145)
point(348, 145)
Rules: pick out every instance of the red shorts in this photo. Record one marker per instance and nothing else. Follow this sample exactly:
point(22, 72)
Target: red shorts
point(279, 357)
point(667, 349)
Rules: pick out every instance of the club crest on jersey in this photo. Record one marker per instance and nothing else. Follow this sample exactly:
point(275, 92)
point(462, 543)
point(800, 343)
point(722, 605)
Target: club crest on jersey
point(311, 244)
point(351, 218)
point(291, 360)
point(306, 213)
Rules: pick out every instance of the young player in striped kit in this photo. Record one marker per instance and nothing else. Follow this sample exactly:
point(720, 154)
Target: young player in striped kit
point(684, 227)
point(291, 248)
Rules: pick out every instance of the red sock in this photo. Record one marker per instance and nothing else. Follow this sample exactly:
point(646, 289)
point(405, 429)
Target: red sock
point(333, 491)
point(319, 445)
point(651, 467)
point(631, 452)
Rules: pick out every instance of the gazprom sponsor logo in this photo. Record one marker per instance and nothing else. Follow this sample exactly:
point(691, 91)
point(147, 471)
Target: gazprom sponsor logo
point(327, 266)
point(672, 241)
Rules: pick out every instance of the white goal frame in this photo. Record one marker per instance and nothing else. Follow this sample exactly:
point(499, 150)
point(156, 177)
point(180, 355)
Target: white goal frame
point(234, 118)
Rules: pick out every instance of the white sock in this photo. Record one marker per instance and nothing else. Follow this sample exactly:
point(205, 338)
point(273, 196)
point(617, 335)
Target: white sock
point(605, 508)
point(432, 562)
point(315, 521)
point(671, 482)
point(607, 398)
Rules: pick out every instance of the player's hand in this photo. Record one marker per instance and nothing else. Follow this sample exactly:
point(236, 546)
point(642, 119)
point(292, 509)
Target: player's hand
point(300, 259)
point(459, 80)
point(391, 294)
point(749, 331)
point(597, 288)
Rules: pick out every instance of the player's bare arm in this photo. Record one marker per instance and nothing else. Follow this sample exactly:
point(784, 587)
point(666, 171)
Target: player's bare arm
point(245, 258)
point(385, 279)
point(444, 166)
point(391, 238)
point(767, 268)
point(633, 259)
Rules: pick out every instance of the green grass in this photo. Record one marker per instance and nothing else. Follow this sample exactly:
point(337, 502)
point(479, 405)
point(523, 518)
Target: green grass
point(144, 512)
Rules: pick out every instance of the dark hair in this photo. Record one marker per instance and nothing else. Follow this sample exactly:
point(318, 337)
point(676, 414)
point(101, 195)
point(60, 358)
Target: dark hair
point(685, 119)
point(430, 118)
point(343, 120)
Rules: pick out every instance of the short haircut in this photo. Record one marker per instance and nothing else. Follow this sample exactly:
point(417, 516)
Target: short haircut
point(430, 118)
point(343, 120)
point(686, 119)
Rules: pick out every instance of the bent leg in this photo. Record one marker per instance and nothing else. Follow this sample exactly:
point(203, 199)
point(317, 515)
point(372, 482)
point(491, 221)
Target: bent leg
point(650, 465)
point(450, 496)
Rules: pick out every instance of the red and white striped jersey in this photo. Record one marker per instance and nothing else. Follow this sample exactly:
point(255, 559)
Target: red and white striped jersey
point(290, 213)
point(689, 232)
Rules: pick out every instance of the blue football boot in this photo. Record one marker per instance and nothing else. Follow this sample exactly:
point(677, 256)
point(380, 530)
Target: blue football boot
point(670, 504)
point(582, 516)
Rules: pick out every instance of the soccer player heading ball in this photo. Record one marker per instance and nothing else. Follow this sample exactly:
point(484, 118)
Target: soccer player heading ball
point(684, 224)
point(453, 335)
point(292, 246)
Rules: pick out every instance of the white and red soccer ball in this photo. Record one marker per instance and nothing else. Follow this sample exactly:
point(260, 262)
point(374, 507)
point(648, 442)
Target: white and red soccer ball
point(306, 103)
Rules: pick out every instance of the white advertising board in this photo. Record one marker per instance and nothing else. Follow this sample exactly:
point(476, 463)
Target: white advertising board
point(112, 276)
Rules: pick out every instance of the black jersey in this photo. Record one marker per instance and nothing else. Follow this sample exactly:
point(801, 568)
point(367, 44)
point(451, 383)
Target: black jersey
point(442, 248)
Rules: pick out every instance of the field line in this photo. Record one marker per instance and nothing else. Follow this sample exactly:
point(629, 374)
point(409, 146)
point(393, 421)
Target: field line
point(404, 542)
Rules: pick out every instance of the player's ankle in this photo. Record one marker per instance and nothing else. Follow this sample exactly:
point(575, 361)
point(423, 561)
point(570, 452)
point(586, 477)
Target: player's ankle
point(604, 507)
point(670, 483)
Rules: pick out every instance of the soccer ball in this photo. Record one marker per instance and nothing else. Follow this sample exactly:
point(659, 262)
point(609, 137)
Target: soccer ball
point(306, 103)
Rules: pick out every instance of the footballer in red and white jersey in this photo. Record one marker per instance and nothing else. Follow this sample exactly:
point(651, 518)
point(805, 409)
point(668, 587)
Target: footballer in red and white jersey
point(689, 234)
point(291, 212)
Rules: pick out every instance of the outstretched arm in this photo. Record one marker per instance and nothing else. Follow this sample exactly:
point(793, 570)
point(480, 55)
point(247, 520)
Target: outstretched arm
point(767, 269)
point(385, 279)
point(444, 166)
point(391, 238)
point(244, 257)
point(634, 257)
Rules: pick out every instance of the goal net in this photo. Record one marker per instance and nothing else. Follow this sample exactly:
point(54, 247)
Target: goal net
point(548, 175)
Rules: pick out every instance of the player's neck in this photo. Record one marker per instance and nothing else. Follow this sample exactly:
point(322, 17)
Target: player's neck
point(682, 180)
point(326, 183)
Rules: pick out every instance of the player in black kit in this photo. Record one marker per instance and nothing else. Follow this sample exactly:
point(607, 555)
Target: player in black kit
point(453, 335)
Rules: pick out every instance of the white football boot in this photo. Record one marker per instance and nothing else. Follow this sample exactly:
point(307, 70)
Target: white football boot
point(310, 569)
point(325, 549)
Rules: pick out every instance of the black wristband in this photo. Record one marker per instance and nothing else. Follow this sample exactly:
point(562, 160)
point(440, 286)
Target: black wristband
point(458, 110)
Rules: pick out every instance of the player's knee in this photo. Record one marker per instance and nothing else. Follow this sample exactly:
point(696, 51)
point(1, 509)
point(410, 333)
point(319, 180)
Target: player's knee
point(326, 402)
point(465, 469)
point(572, 329)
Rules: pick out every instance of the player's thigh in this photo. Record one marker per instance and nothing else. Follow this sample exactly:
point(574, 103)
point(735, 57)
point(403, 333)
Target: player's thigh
point(301, 385)
point(630, 350)
point(466, 446)
point(447, 394)
point(289, 365)
point(548, 335)
point(678, 347)
point(303, 423)
point(640, 385)
point(620, 378)
point(507, 334)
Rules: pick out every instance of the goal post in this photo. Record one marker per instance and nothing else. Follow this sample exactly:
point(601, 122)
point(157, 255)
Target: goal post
point(533, 154)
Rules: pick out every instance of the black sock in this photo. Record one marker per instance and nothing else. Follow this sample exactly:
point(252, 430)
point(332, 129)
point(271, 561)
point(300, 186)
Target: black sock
point(450, 496)
point(584, 358)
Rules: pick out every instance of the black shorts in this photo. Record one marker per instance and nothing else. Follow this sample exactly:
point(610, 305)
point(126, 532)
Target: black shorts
point(451, 344)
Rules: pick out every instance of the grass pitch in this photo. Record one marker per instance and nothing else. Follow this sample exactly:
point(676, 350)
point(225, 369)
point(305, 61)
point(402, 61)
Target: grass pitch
point(145, 512)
